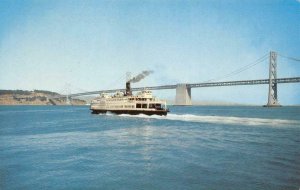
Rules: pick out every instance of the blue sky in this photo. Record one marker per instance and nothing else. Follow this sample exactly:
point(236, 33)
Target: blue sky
point(90, 45)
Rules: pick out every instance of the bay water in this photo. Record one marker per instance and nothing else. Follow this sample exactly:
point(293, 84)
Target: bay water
point(194, 147)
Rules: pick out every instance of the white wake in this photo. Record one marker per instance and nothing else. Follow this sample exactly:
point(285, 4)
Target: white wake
point(220, 119)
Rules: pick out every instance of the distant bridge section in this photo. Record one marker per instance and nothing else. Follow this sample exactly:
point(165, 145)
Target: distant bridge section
point(183, 91)
point(194, 85)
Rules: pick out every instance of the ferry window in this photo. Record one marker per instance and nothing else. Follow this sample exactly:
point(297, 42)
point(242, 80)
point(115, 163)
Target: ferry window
point(157, 106)
point(144, 105)
point(151, 105)
point(138, 105)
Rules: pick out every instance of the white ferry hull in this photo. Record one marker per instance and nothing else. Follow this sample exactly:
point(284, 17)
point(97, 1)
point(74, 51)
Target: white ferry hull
point(120, 103)
point(132, 112)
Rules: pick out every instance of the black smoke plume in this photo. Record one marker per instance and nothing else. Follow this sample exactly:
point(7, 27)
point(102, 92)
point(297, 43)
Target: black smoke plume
point(140, 76)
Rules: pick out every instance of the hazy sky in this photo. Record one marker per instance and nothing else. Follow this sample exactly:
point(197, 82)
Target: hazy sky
point(90, 45)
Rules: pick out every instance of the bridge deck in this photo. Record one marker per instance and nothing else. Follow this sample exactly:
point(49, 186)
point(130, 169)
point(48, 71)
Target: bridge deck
point(196, 85)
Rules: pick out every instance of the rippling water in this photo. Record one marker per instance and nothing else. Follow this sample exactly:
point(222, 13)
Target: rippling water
point(66, 147)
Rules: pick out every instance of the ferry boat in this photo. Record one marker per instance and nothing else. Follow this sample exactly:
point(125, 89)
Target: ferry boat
point(127, 103)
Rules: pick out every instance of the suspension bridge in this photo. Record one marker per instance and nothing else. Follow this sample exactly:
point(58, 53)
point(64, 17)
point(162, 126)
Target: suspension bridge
point(183, 90)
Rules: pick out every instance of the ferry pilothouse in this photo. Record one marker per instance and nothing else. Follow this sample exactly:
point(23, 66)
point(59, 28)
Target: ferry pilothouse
point(127, 103)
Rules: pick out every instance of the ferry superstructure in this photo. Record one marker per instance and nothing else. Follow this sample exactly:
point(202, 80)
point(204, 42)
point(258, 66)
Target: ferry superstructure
point(127, 103)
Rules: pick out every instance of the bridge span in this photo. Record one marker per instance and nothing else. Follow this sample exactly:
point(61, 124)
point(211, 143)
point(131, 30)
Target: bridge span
point(183, 91)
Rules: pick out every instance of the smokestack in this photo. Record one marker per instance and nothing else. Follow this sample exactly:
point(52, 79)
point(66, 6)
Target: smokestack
point(128, 89)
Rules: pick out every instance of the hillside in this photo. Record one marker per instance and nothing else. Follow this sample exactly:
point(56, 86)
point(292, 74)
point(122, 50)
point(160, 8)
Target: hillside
point(35, 97)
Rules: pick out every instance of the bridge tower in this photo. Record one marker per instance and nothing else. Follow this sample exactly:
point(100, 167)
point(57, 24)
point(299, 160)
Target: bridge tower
point(68, 100)
point(183, 95)
point(272, 95)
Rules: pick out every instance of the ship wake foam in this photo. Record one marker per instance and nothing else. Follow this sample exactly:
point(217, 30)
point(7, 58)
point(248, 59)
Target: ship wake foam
point(220, 119)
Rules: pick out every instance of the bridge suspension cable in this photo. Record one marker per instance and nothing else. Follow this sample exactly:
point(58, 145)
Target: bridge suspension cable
point(244, 68)
point(80, 89)
point(290, 58)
